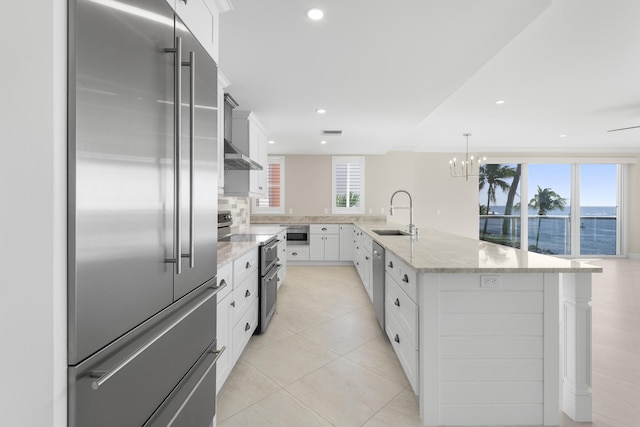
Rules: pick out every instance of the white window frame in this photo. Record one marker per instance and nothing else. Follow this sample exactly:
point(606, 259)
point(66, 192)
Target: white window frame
point(272, 210)
point(341, 160)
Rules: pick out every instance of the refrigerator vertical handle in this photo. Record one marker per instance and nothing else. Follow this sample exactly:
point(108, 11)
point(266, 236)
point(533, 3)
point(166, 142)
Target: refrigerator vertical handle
point(177, 154)
point(192, 112)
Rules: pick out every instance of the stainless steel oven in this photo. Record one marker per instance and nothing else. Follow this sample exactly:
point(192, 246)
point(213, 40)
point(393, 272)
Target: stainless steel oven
point(297, 234)
point(268, 290)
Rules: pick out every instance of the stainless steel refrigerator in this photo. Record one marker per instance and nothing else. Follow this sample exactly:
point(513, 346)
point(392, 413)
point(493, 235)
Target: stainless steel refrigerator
point(142, 216)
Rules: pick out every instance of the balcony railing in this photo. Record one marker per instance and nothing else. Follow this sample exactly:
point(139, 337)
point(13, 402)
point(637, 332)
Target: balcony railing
point(551, 234)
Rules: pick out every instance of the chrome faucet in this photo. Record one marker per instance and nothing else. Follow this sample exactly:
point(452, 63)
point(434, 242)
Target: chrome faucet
point(412, 227)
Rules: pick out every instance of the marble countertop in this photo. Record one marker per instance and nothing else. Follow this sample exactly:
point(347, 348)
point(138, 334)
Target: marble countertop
point(317, 219)
point(434, 251)
point(228, 251)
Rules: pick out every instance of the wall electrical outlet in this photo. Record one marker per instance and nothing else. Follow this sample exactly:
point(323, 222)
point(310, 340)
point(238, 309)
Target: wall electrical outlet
point(290, 211)
point(370, 211)
point(492, 282)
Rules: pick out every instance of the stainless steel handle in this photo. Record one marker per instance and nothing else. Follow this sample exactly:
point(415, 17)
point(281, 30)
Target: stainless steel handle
point(222, 284)
point(247, 294)
point(405, 278)
point(397, 302)
point(192, 113)
point(247, 327)
point(294, 253)
point(218, 353)
point(324, 228)
point(396, 338)
point(104, 377)
point(376, 253)
point(177, 154)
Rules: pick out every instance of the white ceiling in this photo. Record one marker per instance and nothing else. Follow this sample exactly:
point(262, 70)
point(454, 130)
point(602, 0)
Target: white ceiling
point(413, 75)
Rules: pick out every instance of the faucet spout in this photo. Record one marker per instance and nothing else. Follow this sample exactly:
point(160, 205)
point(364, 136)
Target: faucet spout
point(410, 207)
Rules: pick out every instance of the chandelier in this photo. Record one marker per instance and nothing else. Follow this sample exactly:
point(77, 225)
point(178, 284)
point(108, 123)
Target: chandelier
point(467, 167)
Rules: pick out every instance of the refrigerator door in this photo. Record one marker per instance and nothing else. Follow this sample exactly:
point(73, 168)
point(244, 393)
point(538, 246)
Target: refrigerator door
point(120, 168)
point(198, 192)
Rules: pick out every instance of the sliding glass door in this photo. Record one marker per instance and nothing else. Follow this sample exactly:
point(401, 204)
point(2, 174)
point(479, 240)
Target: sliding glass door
point(569, 209)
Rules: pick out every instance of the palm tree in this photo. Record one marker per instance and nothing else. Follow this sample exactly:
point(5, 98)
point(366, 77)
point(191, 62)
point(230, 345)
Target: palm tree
point(546, 200)
point(506, 224)
point(493, 176)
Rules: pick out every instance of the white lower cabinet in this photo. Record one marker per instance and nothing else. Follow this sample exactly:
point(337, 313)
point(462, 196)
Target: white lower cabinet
point(223, 323)
point(297, 252)
point(237, 315)
point(282, 255)
point(324, 242)
point(347, 246)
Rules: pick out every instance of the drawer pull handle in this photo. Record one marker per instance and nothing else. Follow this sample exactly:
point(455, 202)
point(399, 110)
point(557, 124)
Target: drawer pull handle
point(233, 303)
point(103, 377)
point(248, 266)
point(396, 338)
point(366, 257)
point(390, 264)
point(405, 278)
point(324, 228)
point(294, 253)
point(248, 326)
point(397, 302)
point(247, 294)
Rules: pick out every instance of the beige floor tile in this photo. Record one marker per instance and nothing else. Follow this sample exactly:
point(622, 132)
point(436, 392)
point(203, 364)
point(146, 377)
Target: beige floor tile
point(616, 364)
point(343, 333)
point(245, 386)
point(276, 331)
point(290, 359)
point(377, 354)
point(403, 411)
point(301, 317)
point(345, 393)
point(279, 409)
point(616, 399)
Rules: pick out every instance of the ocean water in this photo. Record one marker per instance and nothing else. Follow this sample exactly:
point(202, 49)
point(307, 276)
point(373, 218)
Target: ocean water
point(597, 229)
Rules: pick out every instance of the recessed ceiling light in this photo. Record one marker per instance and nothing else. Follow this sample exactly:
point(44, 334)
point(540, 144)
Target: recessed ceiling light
point(563, 136)
point(501, 101)
point(323, 142)
point(271, 142)
point(321, 111)
point(315, 14)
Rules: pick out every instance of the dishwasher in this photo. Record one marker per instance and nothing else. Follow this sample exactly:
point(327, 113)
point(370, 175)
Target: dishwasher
point(378, 282)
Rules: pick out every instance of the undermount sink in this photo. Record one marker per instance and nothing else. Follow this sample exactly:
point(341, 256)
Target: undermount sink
point(391, 233)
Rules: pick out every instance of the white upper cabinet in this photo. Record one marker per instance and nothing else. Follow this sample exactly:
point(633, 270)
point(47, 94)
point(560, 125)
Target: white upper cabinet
point(202, 17)
point(250, 136)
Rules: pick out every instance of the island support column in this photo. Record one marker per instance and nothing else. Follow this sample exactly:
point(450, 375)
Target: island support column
point(576, 320)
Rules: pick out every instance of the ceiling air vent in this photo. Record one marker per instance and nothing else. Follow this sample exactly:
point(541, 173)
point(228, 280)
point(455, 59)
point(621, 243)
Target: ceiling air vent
point(332, 132)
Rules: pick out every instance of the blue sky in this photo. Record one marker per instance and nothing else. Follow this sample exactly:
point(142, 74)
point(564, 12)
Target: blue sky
point(598, 186)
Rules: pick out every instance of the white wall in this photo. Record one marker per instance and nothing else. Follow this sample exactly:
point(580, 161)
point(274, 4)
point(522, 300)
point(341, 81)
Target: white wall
point(33, 215)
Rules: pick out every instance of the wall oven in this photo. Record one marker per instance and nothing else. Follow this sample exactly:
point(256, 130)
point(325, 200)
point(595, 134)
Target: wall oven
point(297, 234)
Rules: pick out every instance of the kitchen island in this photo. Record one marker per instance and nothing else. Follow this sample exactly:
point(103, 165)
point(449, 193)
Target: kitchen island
point(490, 325)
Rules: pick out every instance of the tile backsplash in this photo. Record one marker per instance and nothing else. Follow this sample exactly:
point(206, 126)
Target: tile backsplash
point(239, 207)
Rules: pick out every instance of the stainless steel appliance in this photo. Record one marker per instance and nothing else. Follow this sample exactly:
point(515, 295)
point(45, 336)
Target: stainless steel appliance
point(378, 282)
point(142, 244)
point(297, 234)
point(269, 267)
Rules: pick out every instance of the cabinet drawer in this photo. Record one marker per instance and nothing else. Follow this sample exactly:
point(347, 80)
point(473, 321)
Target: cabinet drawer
point(324, 228)
point(406, 352)
point(367, 242)
point(243, 296)
point(225, 274)
point(296, 253)
point(405, 310)
point(404, 275)
point(244, 329)
point(245, 265)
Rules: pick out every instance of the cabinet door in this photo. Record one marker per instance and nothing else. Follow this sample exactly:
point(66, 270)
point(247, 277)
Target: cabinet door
point(224, 339)
point(316, 247)
point(367, 273)
point(347, 240)
point(199, 19)
point(331, 247)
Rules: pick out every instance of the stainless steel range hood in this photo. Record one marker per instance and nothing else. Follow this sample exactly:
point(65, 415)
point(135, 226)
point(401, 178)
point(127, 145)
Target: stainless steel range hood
point(234, 158)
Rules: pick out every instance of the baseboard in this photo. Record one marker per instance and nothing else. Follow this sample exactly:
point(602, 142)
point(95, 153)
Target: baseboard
point(633, 256)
